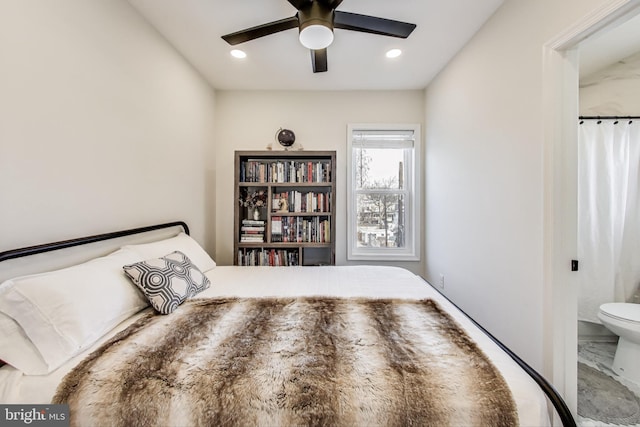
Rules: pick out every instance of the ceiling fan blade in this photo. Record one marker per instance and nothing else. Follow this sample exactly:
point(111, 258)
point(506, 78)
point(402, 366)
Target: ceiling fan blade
point(372, 24)
point(319, 60)
point(299, 3)
point(261, 30)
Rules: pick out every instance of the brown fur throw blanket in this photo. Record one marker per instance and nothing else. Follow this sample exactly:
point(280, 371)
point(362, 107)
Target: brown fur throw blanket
point(290, 361)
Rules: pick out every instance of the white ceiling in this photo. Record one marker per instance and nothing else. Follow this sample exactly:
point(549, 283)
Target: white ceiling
point(609, 46)
point(356, 61)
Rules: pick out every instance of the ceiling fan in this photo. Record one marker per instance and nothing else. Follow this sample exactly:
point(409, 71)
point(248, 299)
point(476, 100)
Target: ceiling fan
point(316, 20)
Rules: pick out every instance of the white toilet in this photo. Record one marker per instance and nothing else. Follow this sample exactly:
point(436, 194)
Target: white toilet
point(623, 319)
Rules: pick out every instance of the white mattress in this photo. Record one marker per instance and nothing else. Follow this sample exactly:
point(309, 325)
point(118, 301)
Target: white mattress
point(342, 281)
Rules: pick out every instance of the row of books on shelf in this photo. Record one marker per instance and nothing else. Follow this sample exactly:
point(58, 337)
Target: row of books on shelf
point(252, 231)
point(270, 257)
point(301, 229)
point(285, 171)
point(296, 201)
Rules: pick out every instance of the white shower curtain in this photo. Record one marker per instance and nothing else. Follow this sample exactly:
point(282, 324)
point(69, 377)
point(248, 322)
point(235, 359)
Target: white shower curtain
point(608, 213)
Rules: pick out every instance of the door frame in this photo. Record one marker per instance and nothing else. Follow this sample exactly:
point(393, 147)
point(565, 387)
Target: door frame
point(560, 104)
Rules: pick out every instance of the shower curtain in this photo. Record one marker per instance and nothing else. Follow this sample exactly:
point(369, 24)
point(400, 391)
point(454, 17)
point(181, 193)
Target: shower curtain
point(608, 213)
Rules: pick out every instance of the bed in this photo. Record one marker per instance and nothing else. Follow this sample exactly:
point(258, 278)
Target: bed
point(153, 332)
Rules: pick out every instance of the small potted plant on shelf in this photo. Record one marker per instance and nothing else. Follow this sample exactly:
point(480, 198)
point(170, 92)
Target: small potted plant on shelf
point(254, 201)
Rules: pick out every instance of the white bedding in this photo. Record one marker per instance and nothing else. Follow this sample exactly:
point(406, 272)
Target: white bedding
point(342, 281)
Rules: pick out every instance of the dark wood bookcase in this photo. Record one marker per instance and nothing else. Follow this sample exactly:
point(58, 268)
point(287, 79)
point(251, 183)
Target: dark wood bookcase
point(296, 223)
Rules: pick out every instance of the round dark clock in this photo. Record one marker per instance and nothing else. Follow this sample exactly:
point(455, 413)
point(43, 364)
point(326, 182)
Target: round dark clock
point(285, 137)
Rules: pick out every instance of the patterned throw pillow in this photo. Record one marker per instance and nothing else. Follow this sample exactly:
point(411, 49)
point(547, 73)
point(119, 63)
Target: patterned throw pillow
point(167, 281)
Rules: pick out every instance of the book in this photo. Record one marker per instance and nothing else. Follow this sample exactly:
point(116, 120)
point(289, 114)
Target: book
point(250, 228)
point(276, 229)
point(252, 239)
point(258, 222)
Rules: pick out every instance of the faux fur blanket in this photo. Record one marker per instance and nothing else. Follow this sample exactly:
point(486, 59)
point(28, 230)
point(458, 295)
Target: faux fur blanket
point(290, 361)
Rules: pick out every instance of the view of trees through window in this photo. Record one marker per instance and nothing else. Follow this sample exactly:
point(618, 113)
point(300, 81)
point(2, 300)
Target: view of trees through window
point(380, 197)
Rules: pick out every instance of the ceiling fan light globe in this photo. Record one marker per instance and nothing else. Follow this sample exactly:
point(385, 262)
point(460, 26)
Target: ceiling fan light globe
point(316, 36)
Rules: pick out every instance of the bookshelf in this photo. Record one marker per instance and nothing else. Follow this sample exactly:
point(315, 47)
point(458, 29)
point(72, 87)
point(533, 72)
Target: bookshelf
point(287, 213)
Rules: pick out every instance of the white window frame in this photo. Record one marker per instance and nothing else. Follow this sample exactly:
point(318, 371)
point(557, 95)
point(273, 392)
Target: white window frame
point(411, 251)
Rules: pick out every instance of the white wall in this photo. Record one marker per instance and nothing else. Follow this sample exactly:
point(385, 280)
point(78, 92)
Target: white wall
point(103, 125)
point(484, 161)
point(248, 120)
point(612, 91)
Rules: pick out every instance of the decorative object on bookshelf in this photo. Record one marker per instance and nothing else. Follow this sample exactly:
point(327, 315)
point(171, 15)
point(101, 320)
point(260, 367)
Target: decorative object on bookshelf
point(285, 137)
point(284, 205)
point(254, 199)
point(295, 193)
point(256, 214)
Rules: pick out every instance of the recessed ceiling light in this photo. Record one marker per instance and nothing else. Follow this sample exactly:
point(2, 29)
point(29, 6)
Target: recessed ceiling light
point(237, 53)
point(394, 53)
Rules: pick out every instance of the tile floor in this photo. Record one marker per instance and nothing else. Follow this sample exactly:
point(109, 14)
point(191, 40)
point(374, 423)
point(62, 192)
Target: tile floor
point(599, 355)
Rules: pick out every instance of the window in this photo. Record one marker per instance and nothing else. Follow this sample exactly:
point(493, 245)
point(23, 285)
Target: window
point(383, 192)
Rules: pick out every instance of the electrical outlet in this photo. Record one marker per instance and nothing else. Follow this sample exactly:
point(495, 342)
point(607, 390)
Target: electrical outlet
point(441, 282)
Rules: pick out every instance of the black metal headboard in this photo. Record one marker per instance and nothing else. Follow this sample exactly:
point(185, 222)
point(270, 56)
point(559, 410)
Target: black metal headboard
point(64, 244)
point(48, 247)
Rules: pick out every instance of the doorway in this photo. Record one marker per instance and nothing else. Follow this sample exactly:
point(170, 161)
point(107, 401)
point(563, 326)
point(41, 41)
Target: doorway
point(561, 112)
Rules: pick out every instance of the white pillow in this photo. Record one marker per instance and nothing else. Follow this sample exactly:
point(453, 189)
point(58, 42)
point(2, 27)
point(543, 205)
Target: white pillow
point(183, 243)
point(65, 311)
point(17, 350)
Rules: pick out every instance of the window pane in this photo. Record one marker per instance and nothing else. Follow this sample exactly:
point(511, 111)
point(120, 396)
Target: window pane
point(379, 168)
point(383, 192)
point(380, 222)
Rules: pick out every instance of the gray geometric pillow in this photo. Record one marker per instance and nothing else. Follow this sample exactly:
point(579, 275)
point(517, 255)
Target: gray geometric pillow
point(167, 281)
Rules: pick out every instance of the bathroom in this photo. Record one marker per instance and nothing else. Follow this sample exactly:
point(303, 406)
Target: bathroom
point(609, 242)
